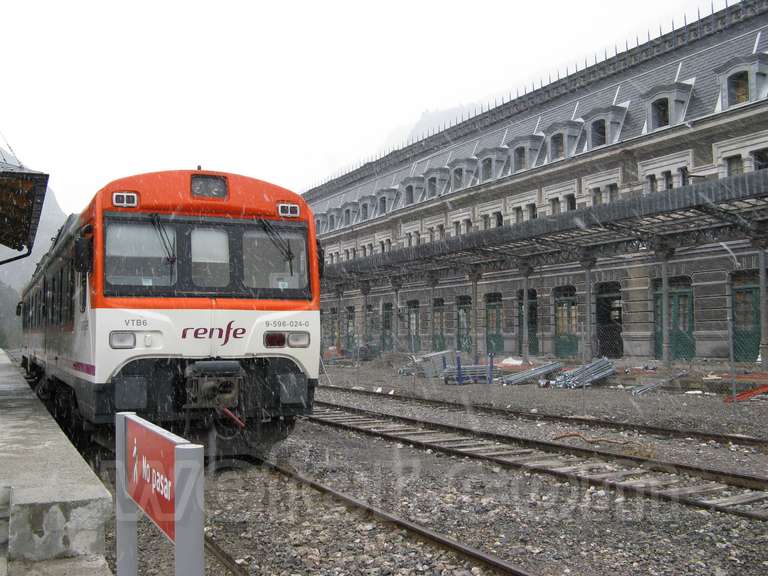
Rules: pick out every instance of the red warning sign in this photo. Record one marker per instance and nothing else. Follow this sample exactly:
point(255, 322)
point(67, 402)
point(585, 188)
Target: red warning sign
point(150, 461)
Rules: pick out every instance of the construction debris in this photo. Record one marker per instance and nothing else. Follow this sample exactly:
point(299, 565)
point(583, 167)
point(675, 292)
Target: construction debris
point(586, 374)
point(531, 374)
point(747, 394)
point(471, 373)
point(645, 388)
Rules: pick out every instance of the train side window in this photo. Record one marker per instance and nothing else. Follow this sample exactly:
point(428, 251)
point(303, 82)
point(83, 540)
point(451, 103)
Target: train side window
point(83, 291)
point(60, 296)
point(71, 293)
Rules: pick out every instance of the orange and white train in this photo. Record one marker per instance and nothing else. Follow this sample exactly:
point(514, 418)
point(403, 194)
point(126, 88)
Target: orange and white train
point(189, 297)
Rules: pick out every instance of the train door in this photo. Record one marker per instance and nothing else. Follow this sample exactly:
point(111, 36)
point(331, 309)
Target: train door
point(494, 340)
point(609, 320)
point(464, 323)
point(386, 327)
point(414, 341)
point(533, 323)
point(746, 318)
point(566, 322)
point(438, 325)
point(682, 343)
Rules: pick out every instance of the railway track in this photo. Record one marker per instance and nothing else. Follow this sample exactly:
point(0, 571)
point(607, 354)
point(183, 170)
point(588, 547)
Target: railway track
point(441, 540)
point(699, 487)
point(742, 439)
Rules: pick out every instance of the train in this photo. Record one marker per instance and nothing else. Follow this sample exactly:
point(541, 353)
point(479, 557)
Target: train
point(189, 297)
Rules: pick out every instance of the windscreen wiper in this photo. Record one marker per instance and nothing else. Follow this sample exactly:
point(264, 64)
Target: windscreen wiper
point(282, 244)
point(165, 240)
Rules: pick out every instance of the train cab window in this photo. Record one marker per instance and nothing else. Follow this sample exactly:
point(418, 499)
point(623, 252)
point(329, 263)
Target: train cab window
point(210, 258)
point(275, 261)
point(139, 254)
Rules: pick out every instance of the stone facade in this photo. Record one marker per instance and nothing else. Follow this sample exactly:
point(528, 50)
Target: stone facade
point(688, 106)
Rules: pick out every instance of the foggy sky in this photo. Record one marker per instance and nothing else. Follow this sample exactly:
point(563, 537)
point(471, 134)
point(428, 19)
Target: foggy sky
point(288, 92)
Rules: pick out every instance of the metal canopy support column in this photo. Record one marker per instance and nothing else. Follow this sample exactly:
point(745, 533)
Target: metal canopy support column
point(339, 295)
point(365, 289)
point(474, 276)
point(664, 253)
point(525, 270)
point(587, 353)
point(396, 284)
point(763, 307)
point(432, 281)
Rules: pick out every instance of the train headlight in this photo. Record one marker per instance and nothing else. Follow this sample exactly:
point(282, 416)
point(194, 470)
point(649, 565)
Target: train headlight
point(298, 339)
point(122, 340)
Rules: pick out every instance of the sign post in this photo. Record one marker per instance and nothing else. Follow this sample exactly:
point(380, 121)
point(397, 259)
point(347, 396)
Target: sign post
point(161, 475)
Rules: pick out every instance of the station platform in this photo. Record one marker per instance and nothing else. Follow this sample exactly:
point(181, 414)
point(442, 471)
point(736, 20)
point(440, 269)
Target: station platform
point(53, 508)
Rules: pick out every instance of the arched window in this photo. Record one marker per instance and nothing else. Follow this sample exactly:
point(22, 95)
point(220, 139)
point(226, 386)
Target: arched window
point(738, 88)
point(556, 147)
point(409, 194)
point(382, 205)
point(520, 158)
point(598, 133)
point(660, 113)
point(458, 178)
point(487, 169)
point(499, 217)
point(381, 246)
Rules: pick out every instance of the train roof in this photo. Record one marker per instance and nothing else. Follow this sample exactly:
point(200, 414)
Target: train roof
point(171, 192)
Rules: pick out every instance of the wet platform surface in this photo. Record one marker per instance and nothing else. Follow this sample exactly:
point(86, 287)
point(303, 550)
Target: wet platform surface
point(53, 508)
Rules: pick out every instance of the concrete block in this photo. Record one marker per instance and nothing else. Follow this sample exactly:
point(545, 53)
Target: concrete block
point(57, 506)
point(81, 566)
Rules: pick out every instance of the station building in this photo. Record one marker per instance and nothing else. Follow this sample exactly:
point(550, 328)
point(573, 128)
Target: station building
point(618, 211)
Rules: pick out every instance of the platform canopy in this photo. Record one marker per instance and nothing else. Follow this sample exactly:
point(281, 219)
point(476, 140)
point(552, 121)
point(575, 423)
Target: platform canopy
point(708, 211)
point(22, 192)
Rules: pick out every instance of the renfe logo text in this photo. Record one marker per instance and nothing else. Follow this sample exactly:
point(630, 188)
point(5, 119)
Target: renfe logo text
point(211, 333)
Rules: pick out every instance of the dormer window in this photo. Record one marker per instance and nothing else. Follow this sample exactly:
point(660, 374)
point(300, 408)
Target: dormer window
point(331, 222)
point(556, 146)
point(665, 105)
point(743, 79)
point(364, 212)
point(458, 178)
point(382, 205)
point(738, 88)
point(597, 133)
point(520, 159)
point(347, 217)
point(486, 169)
point(432, 187)
point(659, 113)
point(409, 194)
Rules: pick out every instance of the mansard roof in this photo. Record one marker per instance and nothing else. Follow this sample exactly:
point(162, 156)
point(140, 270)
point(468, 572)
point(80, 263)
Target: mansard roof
point(692, 54)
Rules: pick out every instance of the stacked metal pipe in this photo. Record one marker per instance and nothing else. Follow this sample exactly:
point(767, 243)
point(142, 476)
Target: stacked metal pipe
point(586, 374)
point(531, 374)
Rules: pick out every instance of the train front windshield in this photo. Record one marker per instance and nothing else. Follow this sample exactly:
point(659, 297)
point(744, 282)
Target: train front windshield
point(202, 257)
